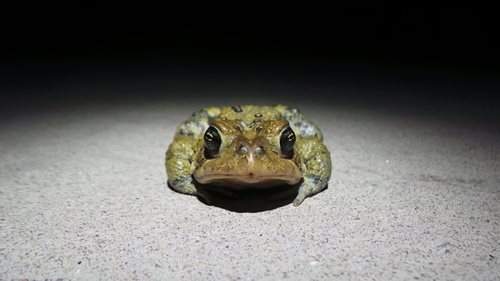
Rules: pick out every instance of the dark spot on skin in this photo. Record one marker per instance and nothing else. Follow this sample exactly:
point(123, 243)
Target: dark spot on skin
point(258, 115)
point(298, 124)
point(237, 108)
point(200, 114)
point(186, 133)
point(315, 179)
point(79, 262)
point(180, 181)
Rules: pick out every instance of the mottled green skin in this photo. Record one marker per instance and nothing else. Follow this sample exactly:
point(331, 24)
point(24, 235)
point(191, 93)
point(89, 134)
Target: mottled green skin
point(311, 157)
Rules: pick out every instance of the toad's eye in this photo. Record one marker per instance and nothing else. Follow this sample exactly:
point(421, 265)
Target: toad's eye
point(287, 141)
point(212, 141)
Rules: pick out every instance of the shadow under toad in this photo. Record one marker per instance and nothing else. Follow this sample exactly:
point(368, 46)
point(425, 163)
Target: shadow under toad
point(247, 200)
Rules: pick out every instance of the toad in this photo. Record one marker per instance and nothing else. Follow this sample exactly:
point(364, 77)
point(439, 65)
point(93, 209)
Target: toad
point(242, 147)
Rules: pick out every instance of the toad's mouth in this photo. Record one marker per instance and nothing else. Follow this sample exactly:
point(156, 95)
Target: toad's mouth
point(248, 178)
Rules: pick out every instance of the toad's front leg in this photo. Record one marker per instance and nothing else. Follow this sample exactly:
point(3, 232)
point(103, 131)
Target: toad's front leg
point(317, 167)
point(179, 166)
point(178, 163)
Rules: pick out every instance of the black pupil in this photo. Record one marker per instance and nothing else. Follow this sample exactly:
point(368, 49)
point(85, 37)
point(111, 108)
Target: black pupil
point(212, 140)
point(287, 142)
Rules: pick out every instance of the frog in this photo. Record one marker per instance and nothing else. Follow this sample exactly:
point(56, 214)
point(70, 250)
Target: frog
point(248, 147)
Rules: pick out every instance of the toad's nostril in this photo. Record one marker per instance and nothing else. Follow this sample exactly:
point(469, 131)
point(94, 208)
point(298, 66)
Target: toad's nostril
point(259, 150)
point(242, 150)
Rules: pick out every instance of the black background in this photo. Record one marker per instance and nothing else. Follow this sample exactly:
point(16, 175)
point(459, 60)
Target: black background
point(415, 50)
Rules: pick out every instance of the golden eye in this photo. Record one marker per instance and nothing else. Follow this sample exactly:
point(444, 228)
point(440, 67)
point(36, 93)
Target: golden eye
point(213, 141)
point(287, 141)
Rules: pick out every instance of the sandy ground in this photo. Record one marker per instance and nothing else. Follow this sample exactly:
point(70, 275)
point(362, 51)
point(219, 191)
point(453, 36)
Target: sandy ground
point(83, 197)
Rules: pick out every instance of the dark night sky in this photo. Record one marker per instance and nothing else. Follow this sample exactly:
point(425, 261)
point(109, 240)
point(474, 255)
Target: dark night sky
point(445, 36)
point(370, 44)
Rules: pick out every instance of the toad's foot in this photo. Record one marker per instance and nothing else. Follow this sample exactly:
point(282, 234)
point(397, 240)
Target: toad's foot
point(309, 187)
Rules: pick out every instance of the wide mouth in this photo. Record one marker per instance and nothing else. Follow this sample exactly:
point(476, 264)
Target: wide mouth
point(247, 180)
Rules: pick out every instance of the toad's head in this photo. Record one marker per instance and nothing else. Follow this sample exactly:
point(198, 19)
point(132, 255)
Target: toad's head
point(237, 154)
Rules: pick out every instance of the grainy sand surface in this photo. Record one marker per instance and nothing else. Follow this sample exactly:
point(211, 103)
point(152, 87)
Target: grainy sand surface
point(83, 197)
